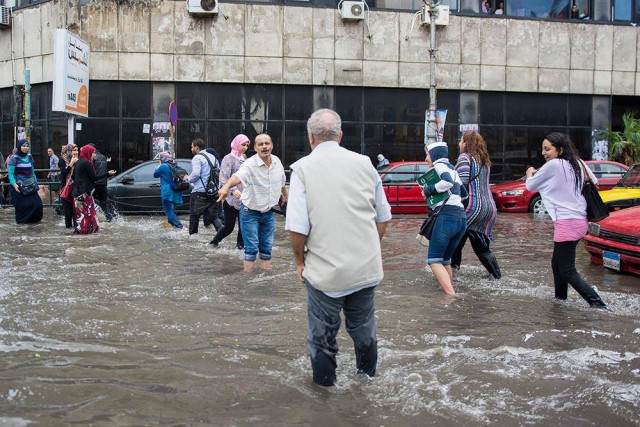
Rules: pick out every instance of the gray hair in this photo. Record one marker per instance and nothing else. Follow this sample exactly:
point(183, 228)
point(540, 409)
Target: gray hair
point(325, 125)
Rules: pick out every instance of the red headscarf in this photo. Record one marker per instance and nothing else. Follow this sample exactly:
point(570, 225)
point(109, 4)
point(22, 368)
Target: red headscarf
point(86, 153)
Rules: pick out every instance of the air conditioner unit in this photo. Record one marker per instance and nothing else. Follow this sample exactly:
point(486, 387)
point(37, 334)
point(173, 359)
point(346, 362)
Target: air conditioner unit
point(442, 15)
point(352, 10)
point(5, 16)
point(202, 7)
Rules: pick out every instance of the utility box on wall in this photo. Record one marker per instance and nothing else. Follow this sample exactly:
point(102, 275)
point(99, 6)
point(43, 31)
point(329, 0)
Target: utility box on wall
point(202, 7)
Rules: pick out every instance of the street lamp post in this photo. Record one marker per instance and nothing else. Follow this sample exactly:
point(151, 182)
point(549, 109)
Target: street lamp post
point(431, 130)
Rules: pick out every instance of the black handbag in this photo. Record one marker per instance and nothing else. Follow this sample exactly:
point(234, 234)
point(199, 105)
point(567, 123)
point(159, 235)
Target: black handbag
point(596, 209)
point(426, 229)
point(28, 187)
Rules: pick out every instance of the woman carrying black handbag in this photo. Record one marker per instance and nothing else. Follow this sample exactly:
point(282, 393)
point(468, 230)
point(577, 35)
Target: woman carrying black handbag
point(24, 185)
point(560, 181)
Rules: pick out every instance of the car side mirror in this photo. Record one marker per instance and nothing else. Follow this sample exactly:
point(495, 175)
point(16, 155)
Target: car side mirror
point(127, 180)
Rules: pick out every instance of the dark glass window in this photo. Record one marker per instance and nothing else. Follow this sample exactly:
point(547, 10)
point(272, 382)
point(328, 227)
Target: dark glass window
point(399, 105)
point(57, 135)
point(225, 101)
point(471, 6)
point(136, 145)
point(136, 99)
point(261, 102)
point(103, 99)
point(40, 102)
point(191, 100)
point(6, 105)
point(558, 9)
point(523, 148)
point(297, 143)
point(622, 10)
point(105, 134)
point(186, 132)
point(352, 137)
point(579, 109)
point(349, 103)
point(530, 108)
point(581, 138)
point(221, 133)
point(298, 101)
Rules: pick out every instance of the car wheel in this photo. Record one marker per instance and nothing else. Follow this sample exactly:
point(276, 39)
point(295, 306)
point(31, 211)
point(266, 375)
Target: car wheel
point(536, 207)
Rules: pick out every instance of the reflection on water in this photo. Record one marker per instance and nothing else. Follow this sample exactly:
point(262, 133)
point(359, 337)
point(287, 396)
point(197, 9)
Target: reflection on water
point(140, 324)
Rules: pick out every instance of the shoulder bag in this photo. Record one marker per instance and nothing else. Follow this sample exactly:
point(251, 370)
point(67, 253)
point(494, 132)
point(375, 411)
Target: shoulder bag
point(596, 209)
point(28, 187)
point(67, 190)
point(426, 229)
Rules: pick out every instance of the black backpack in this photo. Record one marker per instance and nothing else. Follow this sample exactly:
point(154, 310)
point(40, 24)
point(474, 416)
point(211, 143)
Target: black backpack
point(213, 185)
point(177, 183)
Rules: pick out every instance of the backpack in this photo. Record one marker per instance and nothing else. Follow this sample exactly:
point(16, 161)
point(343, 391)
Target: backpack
point(213, 184)
point(177, 183)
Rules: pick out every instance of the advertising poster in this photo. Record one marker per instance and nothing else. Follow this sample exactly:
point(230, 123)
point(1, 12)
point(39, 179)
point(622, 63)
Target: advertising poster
point(599, 148)
point(71, 75)
point(160, 139)
point(468, 127)
point(441, 118)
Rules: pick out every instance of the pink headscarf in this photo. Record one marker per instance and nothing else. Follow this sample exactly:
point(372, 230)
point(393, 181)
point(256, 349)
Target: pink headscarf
point(236, 143)
point(86, 152)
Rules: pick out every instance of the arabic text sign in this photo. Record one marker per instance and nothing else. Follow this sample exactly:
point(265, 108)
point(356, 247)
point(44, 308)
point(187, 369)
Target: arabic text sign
point(71, 76)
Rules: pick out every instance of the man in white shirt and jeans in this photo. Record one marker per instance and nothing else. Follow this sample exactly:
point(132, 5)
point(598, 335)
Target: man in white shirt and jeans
point(263, 181)
point(336, 215)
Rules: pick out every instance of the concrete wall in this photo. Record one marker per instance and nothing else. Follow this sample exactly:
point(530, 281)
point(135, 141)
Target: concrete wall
point(159, 41)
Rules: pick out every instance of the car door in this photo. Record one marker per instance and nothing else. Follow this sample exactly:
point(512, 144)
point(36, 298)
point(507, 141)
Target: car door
point(608, 174)
point(402, 191)
point(137, 191)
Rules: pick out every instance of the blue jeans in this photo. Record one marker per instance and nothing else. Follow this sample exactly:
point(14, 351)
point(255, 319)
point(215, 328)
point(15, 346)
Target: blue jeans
point(323, 323)
point(447, 232)
point(257, 232)
point(169, 209)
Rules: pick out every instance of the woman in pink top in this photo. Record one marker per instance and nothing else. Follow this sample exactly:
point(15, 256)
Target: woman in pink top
point(559, 182)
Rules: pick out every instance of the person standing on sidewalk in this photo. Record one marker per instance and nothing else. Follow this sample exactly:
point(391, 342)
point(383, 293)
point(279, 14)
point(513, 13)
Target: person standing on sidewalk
point(336, 216)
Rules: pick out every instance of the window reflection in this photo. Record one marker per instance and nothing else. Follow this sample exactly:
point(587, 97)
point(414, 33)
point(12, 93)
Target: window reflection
point(558, 9)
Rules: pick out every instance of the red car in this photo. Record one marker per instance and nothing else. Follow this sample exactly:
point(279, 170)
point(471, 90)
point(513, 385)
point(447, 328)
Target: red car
point(400, 186)
point(614, 241)
point(513, 196)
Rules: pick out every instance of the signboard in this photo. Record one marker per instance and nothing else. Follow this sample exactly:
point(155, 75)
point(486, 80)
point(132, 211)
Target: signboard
point(441, 118)
point(71, 75)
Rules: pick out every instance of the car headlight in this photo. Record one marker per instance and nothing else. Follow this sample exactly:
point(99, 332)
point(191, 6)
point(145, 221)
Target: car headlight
point(513, 193)
point(594, 229)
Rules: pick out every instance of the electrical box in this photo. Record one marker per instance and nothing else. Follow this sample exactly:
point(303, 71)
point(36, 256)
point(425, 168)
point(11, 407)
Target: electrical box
point(352, 10)
point(202, 7)
point(5, 16)
point(442, 15)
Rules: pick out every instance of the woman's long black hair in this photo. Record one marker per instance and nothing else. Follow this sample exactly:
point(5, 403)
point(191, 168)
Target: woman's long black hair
point(567, 151)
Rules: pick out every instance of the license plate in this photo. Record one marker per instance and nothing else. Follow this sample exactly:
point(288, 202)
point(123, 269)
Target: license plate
point(611, 260)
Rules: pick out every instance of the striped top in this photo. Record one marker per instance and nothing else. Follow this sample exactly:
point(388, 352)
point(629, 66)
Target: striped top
point(20, 168)
point(262, 184)
point(449, 182)
point(481, 211)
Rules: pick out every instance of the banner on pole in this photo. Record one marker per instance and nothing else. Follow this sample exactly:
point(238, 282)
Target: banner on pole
point(71, 75)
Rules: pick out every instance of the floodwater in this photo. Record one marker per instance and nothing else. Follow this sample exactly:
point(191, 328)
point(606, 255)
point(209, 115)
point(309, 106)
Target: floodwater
point(144, 325)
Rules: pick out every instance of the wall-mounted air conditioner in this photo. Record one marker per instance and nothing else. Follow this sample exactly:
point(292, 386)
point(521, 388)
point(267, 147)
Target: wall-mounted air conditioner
point(202, 7)
point(442, 16)
point(5, 16)
point(352, 10)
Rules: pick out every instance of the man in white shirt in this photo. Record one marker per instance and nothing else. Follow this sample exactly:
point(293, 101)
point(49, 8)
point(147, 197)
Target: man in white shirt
point(263, 181)
point(336, 215)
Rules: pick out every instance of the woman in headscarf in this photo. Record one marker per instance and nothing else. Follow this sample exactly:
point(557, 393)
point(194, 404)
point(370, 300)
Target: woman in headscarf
point(68, 159)
point(170, 197)
point(231, 205)
point(22, 173)
point(451, 223)
point(84, 181)
point(473, 167)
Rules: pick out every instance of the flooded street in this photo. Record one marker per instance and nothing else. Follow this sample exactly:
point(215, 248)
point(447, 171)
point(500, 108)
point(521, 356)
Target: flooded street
point(144, 325)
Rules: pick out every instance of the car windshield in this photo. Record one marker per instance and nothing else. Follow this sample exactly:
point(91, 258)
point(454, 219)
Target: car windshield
point(384, 168)
point(631, 179)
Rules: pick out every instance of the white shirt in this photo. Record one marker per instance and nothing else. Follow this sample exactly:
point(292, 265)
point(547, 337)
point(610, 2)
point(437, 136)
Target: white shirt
point(262, 184)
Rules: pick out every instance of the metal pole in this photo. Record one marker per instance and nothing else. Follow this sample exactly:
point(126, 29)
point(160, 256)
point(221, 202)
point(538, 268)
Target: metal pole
point(431, 131)
point(27, 103)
